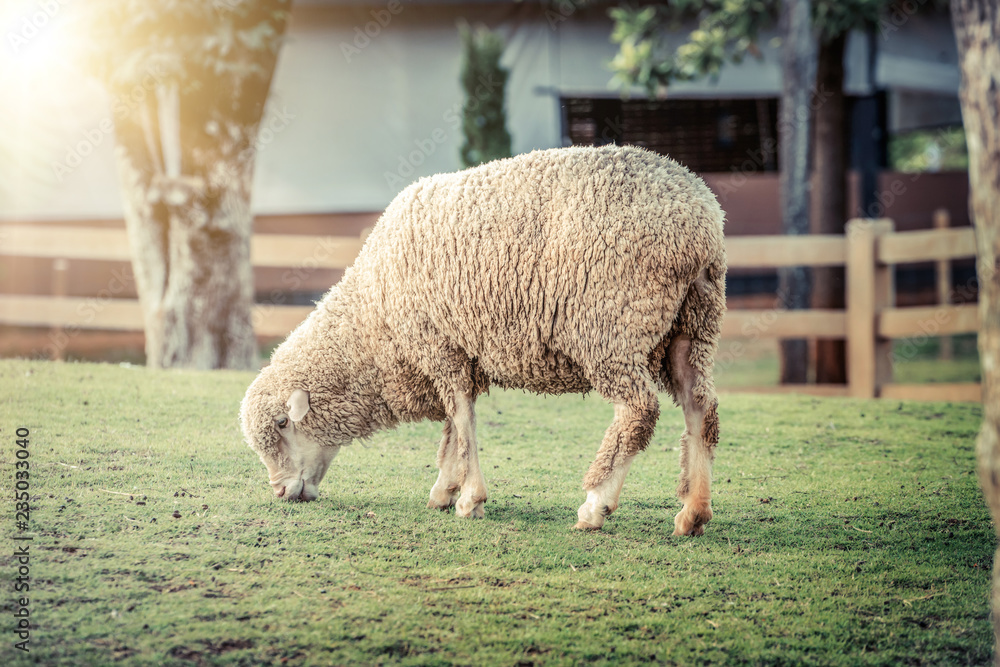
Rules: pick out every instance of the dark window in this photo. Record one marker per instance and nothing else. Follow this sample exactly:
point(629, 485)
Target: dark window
point(704, 135)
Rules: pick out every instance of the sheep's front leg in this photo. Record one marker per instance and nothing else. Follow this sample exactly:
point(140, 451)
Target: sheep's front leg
point(473, 485)
point(444, 493)
point(458, 465)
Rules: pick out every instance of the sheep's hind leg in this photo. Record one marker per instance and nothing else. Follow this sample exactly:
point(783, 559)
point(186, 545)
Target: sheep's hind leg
point(629, 434)
point(473, 485)
point(694, 391)
point(444, 493)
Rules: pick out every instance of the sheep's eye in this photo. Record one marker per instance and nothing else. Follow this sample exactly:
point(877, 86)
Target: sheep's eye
point(283, 422)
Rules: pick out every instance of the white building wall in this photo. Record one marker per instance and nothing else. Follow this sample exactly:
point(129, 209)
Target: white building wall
point(350, 123)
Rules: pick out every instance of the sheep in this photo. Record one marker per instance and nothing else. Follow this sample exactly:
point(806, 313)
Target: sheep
point(561, 270)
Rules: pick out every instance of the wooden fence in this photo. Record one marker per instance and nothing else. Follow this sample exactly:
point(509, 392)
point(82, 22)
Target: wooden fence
point(868, 250)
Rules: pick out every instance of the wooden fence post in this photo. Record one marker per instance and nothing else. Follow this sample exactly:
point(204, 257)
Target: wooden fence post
point(942, 220)
point(869, 289)
point(885, 297)
point(60, 269)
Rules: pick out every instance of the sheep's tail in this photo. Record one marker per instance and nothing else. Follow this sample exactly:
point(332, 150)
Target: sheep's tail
point(716, 271)
point(716, 268)
point(706, 301)
point(709, 290)
point(700, 319)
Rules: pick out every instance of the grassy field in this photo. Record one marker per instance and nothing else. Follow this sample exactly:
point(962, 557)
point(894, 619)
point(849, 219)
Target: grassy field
point(845, 533)
point(742, 363)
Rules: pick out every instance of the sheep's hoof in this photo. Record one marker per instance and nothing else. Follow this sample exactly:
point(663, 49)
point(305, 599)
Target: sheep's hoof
point(434, 505)
point(477, 511)
point(696, 531)
point(591, 514)
point(691, 522)
point(442, 500)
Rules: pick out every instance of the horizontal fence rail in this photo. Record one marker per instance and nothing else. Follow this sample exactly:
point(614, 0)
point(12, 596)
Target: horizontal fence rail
point(815, 323)
point(868, 250)
point(271, 250)
point(763, 252)
point(928, 321)
point(925, 246)
point(123, 314)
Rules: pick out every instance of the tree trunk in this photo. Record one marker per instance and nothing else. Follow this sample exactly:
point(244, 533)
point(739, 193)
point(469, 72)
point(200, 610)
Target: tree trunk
point(830, 202)
point(977, 31)
point(192, 267)
point(186, 142)
point(798, 71)
point(190, 240)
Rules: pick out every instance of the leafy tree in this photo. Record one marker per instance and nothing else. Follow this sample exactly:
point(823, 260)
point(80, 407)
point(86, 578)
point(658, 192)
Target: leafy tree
point(189, 80)
point(729, 31)
point(485, 82)
point(977, 30)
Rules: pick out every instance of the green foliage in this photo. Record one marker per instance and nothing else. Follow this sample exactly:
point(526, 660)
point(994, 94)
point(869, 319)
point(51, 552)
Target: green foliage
point(836, 17)
point(921, 150)
point(728, 30)
point(484, 123)
point(181, 40)
point(846, 533)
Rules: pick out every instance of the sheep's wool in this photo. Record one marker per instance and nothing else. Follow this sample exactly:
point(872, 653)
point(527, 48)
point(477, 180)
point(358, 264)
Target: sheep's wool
point(556, 271)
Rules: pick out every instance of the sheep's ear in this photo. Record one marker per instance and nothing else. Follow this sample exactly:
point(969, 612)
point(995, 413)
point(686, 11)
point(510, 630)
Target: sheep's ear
point(298, 405)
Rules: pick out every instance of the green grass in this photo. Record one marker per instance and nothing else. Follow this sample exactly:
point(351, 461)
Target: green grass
point(918, 361)
point(845, 533)
point(742, 364)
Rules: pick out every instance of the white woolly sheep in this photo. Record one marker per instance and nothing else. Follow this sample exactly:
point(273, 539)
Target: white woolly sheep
point(563, 270)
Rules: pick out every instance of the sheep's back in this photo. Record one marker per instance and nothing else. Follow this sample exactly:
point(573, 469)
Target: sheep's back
point(541, 265)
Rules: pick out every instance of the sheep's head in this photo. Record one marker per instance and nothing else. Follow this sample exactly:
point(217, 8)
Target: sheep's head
point(277, 426)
